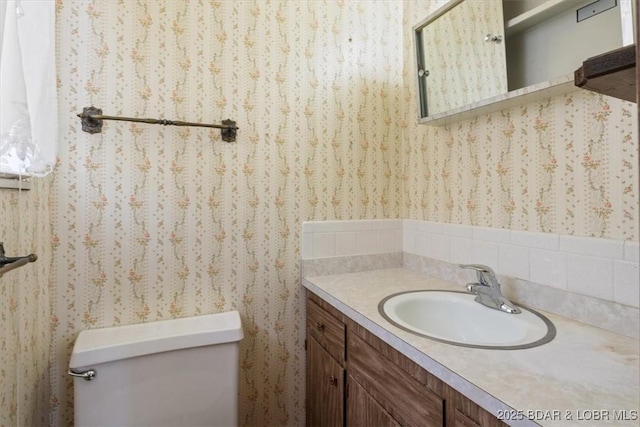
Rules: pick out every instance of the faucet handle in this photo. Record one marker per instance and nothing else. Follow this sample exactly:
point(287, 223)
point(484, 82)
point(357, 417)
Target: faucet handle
point(486, 276)
point(477, 267)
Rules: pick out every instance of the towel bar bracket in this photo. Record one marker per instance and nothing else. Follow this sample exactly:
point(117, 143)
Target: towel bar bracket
point(10, 263)
point(229, 134)
point(89, 123)
point(92, 119)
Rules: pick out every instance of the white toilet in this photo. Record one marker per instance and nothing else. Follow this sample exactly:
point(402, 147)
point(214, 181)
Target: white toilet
point(181, 372)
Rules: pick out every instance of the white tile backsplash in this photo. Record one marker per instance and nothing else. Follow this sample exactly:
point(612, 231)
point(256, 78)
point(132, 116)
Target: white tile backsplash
point(548, 268)
point(367, 242)
point(306, 247)
point(457, 230)
point(499, 235)
point(535, 240)
point(591, 276)
point(409, 230)
point(307, 227)
point(439, 247)
point(581, 265)
point(631, 251)
point(387, 241)
point(591, 246)
point(461, 251)
point(626, 283)
point(410, 225)
point(324, 245)
point(422, 243)
point(513, 261)
point(360, 225)
point(328, 226)
point(485, 252)
point(346, 243)
point(388, 224)
point(601, 268)
point(430, 227)
point(323, 239)
point(399, 241)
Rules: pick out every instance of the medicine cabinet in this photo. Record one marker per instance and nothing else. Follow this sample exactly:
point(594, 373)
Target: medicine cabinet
point(475, 57)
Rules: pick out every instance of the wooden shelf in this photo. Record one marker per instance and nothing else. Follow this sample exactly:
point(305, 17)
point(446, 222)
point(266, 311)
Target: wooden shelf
point(612, 73)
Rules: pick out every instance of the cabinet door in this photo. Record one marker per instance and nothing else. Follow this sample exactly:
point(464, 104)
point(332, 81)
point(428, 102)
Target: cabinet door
point(462, 67)
point(462, 420)
point(363, 410)
point(325, 387)
point(405, 398)
point(462, 412)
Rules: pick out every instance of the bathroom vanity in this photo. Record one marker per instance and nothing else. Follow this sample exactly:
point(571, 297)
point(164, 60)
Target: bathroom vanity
point(356, 379)
point(362, 370)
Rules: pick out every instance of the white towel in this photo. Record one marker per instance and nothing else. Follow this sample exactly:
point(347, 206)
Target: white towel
point(28, 100)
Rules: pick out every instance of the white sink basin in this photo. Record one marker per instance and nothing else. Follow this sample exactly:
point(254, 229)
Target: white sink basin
point(455, 318)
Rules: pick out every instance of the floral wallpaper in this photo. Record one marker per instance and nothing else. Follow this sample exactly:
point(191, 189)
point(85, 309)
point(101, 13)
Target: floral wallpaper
point(155, 222)
point(141, 223)
point(566, 165)
point(25, 295)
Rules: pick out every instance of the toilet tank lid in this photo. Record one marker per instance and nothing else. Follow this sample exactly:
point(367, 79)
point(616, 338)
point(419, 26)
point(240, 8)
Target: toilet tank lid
point(95, 346)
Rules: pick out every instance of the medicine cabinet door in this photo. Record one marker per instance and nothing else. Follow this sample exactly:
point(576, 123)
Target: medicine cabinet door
point(461, 55)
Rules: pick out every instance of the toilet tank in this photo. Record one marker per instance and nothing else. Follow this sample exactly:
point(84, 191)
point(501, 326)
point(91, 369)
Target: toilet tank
point(181, 372)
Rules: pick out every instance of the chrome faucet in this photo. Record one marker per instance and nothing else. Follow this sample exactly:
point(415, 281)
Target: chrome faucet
point(487, 290)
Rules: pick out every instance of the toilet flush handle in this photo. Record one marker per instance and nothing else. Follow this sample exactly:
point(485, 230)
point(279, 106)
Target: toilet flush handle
point(86, 375)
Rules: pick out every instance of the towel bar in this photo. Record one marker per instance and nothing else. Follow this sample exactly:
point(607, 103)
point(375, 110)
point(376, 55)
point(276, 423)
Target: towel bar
point(92, 118)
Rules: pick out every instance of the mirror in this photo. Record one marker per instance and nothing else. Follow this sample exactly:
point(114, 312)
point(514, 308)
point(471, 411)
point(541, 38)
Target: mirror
point(473, 52)
point(456, 66)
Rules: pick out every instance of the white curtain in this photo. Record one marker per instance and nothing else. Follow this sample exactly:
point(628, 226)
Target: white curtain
point(28, 101)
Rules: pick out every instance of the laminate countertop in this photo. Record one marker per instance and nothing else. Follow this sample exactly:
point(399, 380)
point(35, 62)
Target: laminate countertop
point(586, 376)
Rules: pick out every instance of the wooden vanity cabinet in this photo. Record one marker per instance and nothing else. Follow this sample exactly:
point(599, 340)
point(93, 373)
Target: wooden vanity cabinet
point(355, 379)
point(325, 347)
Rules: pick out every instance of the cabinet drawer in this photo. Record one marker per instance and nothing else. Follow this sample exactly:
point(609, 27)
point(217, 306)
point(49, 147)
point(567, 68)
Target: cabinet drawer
point(408, 401)
point(329, 331)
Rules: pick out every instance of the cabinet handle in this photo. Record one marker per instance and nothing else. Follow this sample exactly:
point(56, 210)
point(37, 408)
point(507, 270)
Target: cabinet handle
point(319, 327)
point(490, 38)
point(333, 381)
